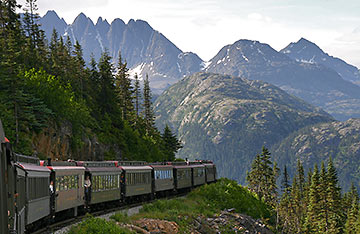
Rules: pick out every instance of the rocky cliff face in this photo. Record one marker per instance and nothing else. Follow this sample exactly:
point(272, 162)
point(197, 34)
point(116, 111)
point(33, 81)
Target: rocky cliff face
point(55, 142)
point(339, 140)
point(228, 119)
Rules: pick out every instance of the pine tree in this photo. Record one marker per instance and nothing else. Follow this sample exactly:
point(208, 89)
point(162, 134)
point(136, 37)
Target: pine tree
point(285, 186)
point(311, 224)
point(352, 214)
point(333, 194)
point(106, 98)
point(124, 90)
point(81, 77)
point(171, 144)
point(148, 112)
point(262, 177)
point(323, 213)
point(349, 198)
point(254, 176)
point(137, 94)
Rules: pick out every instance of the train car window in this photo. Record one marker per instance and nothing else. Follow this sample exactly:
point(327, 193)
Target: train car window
point(94, 183)
point(57, 181)
point(61, 180)
point(77, 181)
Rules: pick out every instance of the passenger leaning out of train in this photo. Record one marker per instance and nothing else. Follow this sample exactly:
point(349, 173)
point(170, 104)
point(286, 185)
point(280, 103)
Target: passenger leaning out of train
point(87, 185)
point(51, 187)
point(52, 198)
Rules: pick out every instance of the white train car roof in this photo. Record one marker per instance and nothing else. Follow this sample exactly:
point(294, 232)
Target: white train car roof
point(136, 168)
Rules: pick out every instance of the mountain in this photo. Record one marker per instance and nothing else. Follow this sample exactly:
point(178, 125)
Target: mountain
point(308, 52)
point(228, 119)
point(145, 50)
point(314, 83)
point(340, 140)
point(51, 21)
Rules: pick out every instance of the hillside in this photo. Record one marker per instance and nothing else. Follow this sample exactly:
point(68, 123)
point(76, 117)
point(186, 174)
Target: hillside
point(315, 83)
point(221, 207)
point(228, 119)
point(339, 140)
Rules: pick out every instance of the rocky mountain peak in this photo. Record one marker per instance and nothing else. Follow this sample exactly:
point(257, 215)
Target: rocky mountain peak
point(101, 22)
point(244, 53)
point(81, 19)
point(51, 14)
point(305, 51)
point(51, 21)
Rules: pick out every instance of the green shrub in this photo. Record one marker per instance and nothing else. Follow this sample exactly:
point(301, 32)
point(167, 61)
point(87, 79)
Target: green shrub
point(121, 217)
point(227, 194)
point(98, 226)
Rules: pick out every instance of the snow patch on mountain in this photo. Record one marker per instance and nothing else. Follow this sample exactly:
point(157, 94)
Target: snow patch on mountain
point(137, 70)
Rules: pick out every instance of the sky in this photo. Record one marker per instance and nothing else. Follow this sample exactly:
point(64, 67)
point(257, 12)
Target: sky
point(205, 26)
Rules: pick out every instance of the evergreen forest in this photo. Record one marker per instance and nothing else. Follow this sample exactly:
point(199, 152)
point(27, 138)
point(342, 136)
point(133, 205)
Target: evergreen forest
point(307, 203)
point(46, 84)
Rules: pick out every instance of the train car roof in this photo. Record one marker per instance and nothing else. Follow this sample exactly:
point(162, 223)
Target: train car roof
point(62, 168)
point(197, 165)
point(32, 167)
point(182, 167)
point(162, 166)
point(135, 167)
point(101, 164)
point(103, 169)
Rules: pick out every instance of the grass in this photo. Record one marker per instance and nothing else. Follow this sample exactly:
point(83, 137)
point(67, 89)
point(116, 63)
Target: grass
point(93, 225)
point(207, 201)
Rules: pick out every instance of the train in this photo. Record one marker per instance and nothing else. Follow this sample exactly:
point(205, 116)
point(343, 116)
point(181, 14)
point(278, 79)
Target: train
point(35, 193)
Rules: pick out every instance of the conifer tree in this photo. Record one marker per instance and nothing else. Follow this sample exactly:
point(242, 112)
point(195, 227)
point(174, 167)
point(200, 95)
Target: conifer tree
point(311, 224)
point(353, 213)
point(333, 198)
point(106, 98)
point(300, 178)
point(171, 144)
point(285, 186)
point(262, 177)
point(137, 94)
point(255, 176)
point(349, 198)
point(323, 212)
point(147, 106)
point(124, 90)
point(81, 76)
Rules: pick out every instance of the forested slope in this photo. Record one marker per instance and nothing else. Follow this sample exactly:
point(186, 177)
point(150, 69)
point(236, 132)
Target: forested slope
point(53, 105)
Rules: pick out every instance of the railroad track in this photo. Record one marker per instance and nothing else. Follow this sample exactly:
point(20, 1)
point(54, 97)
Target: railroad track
point(54, 227)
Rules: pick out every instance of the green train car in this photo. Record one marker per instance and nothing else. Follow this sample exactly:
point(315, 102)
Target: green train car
point(163, 178)
point(69, 190)
point(105, 181)
point(136, 180)
point(198, 174)
point(33, 195)
point(183, 177)
point(210, 171)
